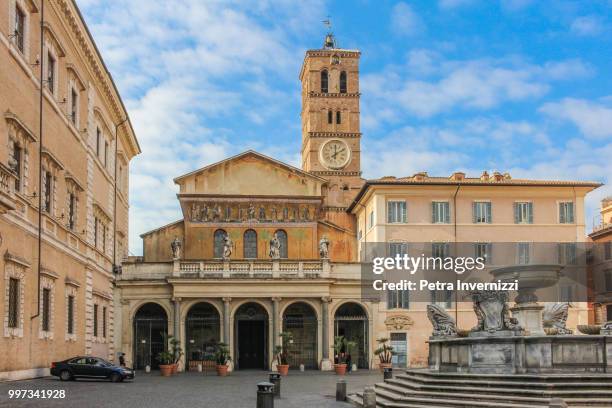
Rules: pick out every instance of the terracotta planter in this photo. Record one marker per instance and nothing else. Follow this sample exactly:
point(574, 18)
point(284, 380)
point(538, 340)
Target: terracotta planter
point(382, 366)
point(283, 369)
point(340, 369)
point(174, 368)
point(222, 370)
point(165, 370)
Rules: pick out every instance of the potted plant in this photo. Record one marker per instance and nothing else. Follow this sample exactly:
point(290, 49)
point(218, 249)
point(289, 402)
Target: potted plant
point(343, 348)
point(385, 353)
point(166, 360)
point(222, 357)
point(282, 353)
point(177, 353)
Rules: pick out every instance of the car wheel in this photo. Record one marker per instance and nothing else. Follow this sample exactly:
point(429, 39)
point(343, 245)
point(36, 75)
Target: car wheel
point(115, 377)
point(65, 375)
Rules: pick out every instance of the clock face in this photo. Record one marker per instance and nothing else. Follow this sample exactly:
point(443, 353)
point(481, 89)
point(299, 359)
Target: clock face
point(335, 154)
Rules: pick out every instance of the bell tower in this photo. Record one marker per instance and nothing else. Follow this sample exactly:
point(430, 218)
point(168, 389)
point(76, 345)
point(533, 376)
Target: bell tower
point(330, 121)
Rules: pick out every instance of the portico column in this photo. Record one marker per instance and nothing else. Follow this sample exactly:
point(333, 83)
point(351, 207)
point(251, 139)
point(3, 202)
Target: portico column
point(226, 320)
point(177, 324)
point(326, 364)
point(275, 331)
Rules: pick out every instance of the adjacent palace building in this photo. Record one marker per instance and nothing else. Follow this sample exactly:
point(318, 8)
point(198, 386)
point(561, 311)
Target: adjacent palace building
point(65, 149)
point(264, 247)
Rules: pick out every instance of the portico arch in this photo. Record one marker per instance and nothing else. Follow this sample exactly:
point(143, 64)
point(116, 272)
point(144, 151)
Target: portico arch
point(351, 321)
point(251, 336)
point(202, 332)
point(150, 327)
point(300, 319)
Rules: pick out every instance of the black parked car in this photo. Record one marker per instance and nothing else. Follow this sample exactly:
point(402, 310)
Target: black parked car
point(90, 367)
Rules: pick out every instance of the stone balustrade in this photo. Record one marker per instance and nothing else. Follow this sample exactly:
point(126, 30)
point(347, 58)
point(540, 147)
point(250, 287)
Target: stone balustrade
point(7, 189)
point(252, 268)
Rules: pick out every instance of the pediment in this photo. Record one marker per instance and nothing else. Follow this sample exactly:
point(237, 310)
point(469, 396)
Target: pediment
point(250, 174)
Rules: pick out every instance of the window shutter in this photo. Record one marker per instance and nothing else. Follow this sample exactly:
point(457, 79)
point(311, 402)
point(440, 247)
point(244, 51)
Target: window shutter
point(562, 213)
point(447, 215)
point(489, 253)
point(403, 206)
point(474, 209)
point(530, 209)
point(516, 213)
point(433, 212)
point(489, 213)
point(389, 211)
point(570, 207)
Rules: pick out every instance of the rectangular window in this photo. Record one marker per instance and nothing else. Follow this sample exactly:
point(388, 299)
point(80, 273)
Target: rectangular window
point(70, 322)
point(440, 249)
point(398, 248)
point(607, 250)
point(104, 321)
point(440, 212)
point(72, 203)
point(48, 180)
point(74, 103)
point(371, 219)
point(400, 347)
point(95, 321)
point(338, 118)
point(523, 253)
point(13, 306)
point(398, 299)
point(105, 154)
point(20, 19)
point(330, 117)
point(46, 308)
point(396, 211)
point(523, 213)
point(15, 164)
point(483, 250)
point(608, 278)
point(442, 298)
point(566, 213)
point(103, 237)
point(567, 253)
point(95, 234)
point(51, 72)
point(482, 212)
point(98, 141)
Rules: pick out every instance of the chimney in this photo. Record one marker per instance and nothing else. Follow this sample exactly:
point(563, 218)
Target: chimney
point(457, 176)
point(420, 176)
point(497, 176)
point(484, 176)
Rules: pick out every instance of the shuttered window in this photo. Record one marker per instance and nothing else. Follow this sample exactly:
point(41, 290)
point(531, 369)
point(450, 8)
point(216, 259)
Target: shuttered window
point(482, 212)
point(523, 213)
point(13, 312)
point(396, 211)
point(46, 309)
point(566, 213)
point(70, 322)
point(440, 212)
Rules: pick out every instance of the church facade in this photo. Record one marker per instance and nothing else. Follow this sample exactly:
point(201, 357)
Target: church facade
point(264, 247)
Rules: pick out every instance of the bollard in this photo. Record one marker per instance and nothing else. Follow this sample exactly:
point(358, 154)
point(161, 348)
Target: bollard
point(265, 395)
point(369, 397)
point(557, 403)
point(387, 373)
point(275, 378)
point(341, 390)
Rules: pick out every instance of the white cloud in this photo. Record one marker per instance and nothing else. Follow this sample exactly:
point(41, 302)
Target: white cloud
point(587, 25)
point(593, 119)
point(405, 21)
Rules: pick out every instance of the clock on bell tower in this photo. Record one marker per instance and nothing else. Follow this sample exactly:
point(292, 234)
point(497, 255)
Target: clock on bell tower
point(330, 121)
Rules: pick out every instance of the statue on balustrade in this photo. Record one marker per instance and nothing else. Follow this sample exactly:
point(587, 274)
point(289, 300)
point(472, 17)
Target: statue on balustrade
point(555, 316)
point(227, 247)
point(251, 212)
point(275, 247)
point(443, 324)
point(324, 247)
point(175, 246)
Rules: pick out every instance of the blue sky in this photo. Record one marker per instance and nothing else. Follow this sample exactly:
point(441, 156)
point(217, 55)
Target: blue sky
point(512, 85)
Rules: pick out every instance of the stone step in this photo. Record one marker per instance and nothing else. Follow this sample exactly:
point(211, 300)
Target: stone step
point(504, 383)
point(535, 401)
point(446, 402)
point(546, 378)
point(507, 391)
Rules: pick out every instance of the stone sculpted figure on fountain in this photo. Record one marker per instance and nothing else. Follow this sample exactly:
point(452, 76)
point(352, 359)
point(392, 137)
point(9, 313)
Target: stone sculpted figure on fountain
point(443, 324)
point(492, 312)
point(555, 316)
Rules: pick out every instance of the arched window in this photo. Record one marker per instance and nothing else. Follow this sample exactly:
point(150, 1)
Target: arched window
point(282, 237)
point(324, 81)
point(250, 244)
point(338, 118)
point(330, 117)
point(343, 82)
point(218, 242)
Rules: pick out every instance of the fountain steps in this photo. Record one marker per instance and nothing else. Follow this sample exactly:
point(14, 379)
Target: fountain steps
point(420, 388)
